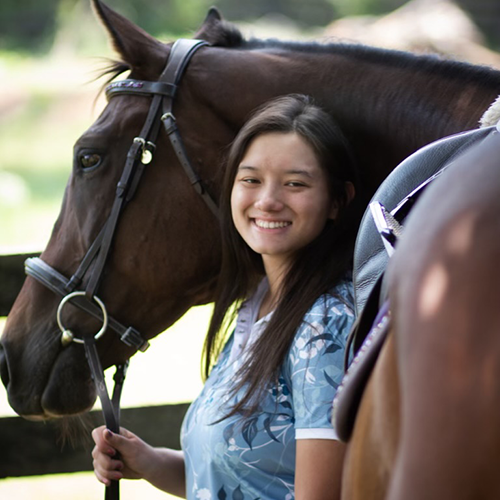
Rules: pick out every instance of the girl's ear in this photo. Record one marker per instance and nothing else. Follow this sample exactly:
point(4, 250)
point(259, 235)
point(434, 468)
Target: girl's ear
point(350, 192)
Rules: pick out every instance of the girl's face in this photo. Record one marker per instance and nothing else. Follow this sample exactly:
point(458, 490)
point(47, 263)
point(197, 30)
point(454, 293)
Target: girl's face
point(280, 200)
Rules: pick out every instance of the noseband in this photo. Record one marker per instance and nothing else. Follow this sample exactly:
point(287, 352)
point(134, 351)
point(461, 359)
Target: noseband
point(139, 155)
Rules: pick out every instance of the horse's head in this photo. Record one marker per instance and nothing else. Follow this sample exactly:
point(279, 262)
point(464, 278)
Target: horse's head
point(165, 251)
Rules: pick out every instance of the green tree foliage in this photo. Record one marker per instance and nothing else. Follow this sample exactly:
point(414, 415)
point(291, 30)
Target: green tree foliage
point(27, 24)
point(164, 16)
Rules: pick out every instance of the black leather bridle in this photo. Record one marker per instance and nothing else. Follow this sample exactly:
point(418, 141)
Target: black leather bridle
point(139, 155)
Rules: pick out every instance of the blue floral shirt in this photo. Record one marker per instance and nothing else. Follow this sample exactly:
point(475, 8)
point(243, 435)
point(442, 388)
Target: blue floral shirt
point(250, 458)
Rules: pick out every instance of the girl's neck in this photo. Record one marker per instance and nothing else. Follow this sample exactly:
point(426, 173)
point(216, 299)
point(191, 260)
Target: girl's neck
point(275, 278)
point(267, 305)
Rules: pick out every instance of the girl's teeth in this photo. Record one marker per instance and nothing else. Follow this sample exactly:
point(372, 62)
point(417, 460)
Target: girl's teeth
point(271, 225)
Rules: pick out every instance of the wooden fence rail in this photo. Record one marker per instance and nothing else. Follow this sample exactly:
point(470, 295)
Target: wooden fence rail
point(36, 448)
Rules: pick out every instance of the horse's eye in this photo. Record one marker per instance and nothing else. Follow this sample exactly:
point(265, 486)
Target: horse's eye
point(89, 160)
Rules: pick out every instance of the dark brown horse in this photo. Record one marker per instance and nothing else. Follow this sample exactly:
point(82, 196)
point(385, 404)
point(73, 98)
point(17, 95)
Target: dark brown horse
point(165, 254)
point(427, 425)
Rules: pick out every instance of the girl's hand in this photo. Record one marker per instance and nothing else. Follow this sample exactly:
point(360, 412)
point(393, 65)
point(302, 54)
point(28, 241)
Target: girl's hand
point(135, 460)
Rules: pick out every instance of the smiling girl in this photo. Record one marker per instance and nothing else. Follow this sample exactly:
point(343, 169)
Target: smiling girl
point(261, 427)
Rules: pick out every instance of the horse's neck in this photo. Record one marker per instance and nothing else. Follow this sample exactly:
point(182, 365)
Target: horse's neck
point(402, 101)
point(387, 109)
point(373, 90)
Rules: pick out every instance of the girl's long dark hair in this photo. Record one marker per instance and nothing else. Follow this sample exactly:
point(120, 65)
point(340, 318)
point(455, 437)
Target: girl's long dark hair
point(317, 268)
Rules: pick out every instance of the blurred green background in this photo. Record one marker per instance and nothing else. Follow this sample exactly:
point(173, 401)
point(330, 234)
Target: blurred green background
point(34, 26)
point(50, 51)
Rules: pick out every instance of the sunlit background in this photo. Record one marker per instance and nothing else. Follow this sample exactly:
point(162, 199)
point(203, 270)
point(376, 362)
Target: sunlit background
point(50, 52)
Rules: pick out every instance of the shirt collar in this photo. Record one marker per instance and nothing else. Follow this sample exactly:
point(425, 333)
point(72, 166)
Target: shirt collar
point(248, 328)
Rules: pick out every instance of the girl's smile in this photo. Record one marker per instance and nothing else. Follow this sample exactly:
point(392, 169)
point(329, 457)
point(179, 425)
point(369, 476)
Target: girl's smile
point(265, 224)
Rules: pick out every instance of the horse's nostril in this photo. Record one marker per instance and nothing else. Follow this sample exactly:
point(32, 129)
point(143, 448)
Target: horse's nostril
point(4, 368)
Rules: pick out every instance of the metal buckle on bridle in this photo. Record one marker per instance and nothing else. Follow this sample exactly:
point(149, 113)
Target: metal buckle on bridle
point(147, 150)
point(67, 336)
point(169, 122)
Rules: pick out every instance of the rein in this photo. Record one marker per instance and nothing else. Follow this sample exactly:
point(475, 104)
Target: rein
point(139, 155)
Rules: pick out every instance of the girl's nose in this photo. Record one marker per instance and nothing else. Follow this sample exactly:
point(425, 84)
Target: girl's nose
point(269, 200)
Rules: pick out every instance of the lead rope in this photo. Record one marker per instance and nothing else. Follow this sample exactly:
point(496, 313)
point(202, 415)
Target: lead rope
point(110, 407)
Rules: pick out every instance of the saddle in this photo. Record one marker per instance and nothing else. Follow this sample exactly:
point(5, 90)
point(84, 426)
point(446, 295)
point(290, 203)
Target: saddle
point(377, 238)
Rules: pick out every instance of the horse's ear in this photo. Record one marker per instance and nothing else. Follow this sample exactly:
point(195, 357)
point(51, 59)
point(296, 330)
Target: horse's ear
point(216, 31)
point(136, 47)
point(213, 15)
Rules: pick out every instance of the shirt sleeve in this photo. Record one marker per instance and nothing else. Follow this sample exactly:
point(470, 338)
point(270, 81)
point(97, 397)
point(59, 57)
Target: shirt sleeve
point(315, 365)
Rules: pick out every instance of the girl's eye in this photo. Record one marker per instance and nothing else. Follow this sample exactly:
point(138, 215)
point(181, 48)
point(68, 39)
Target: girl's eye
point(90, 161)
point(249, 180)
point(295, 184)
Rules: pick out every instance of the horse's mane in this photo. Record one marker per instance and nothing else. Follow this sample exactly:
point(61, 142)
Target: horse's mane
point(431, 63)
point(389, 57)
point(227, 35)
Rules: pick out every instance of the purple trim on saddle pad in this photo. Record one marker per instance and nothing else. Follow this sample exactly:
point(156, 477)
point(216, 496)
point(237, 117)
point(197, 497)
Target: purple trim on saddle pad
point(350, 391)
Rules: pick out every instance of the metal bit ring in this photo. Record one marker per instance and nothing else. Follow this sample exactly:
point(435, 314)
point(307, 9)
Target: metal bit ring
point(67, 335)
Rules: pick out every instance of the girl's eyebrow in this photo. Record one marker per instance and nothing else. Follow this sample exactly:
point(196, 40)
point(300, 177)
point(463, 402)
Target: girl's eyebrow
point(247, 167)
point(305, 173)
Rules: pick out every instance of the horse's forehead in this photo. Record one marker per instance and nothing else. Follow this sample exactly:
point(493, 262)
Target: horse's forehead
point(116, 117)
